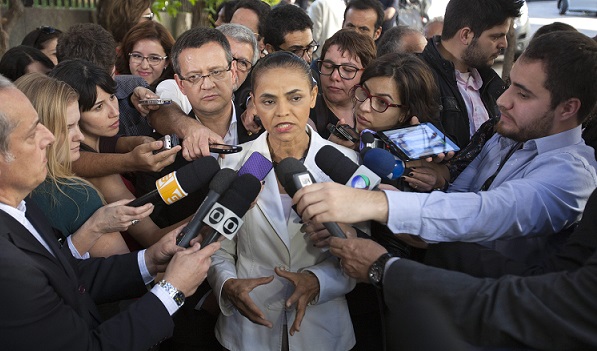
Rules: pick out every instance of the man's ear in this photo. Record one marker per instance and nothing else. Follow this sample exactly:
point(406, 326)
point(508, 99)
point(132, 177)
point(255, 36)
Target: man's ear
point(269, 48)
point(465, 35)
point(377, 34)
point(569, 109)
point(179, 83)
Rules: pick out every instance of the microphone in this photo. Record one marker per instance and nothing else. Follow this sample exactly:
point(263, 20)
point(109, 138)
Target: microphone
point(384, 164)
point(178, 184)
point(257, 165)
point(293, 175)
point(225, 217)
point(344, 171)
point(218, 185)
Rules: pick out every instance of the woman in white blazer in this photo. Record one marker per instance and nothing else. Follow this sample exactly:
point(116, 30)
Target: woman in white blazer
point(275, 289)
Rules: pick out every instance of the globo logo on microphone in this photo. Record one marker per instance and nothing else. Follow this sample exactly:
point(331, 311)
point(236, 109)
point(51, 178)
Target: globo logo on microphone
point(360, 182)
point(223, 221)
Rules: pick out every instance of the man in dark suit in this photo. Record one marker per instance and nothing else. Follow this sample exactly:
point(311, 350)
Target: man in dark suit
point(47, 297)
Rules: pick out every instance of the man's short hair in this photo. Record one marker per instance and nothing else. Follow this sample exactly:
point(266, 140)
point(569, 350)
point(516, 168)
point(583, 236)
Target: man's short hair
point(282, 20)
point(362, 5)
point(241, 34)
point(6, 124)
point(262, 9)
point(357, 45)
point(569, 61)
point(88, 41)
point(553, 27)
point(478, 15)
point(393, 40)
point(196, 38)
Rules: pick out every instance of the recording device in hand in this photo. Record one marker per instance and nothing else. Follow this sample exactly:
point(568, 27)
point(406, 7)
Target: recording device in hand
point(293, 175)
point(257, 165)
point(342, 170)
point(178, 184)
point(416, 142)
point(384, 164)
point(225, 217)
point(155, 102)
point(169, 141)
point(218, 185)
point(344, 132)
point(224, 148)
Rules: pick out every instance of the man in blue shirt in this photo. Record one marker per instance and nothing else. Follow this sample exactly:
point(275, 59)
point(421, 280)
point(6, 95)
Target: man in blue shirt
point(531, 179)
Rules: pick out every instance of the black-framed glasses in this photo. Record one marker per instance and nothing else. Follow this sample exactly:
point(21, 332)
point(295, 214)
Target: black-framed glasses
point(153, 60)
point(301, 51)
point(378, 103)
point(347, 72)
point(149, 16)
point(215, 75)
point(242, 64)
point(47, 29)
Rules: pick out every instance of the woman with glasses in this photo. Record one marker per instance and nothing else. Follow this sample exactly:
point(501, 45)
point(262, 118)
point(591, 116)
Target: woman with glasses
point(343, 59)
point(275, 289)
point(119, 16)
point(145, 52)
point(45, 39)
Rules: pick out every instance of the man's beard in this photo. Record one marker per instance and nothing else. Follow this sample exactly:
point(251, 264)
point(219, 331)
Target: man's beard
point(474, 57)
point(534, 130)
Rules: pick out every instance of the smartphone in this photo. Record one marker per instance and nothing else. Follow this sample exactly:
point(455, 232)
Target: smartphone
point(344, 131)
point(416, 142)
point(170, 141)
point(155, 102)
point(224, 149)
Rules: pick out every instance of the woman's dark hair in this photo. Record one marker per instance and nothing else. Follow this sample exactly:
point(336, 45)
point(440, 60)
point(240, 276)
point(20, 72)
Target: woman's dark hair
point(145, 30)
point(281, 59)
point(414, 81)
point(228, 7)
point(85, 77)
point(14, 63)
point(38, 37)
point(357, 45)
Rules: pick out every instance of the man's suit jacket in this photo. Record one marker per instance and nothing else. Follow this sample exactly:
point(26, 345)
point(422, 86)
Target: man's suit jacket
point(267, 240)
point(47, 302)
point(555, 311)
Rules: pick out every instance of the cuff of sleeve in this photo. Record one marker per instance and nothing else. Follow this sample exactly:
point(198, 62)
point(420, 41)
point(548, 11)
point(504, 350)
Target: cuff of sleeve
point(226, 306)
point(404, 211)
point(168, 301)
point(74, 251)
point(145, 275)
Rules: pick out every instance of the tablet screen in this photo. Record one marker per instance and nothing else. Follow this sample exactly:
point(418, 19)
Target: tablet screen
point(420, 141)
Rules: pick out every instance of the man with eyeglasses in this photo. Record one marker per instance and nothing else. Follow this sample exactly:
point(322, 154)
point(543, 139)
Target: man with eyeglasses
point(344, 56)
point(289, 28)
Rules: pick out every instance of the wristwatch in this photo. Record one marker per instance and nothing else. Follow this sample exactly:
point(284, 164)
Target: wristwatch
point(174, 293)
point(377, 269)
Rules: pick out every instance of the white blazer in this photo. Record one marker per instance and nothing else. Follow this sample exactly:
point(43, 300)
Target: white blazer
point(266, 240)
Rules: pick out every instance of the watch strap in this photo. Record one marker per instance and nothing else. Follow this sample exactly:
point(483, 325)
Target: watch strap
point(376, 271)
point(174, 293)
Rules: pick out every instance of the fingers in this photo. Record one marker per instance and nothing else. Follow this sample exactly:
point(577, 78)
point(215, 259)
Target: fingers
point(298, 319)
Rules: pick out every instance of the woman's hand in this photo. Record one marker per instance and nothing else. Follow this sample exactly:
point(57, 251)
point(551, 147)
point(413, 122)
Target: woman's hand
point(306, 289)
point(144, 159)
point(117, 217)
point(237, 291)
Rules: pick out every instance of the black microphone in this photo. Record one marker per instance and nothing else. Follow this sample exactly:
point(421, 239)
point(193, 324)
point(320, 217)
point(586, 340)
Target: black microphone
point(220, 182)
point(293, 175)
point(225, 217)
point(178, 184)
point(344, 171)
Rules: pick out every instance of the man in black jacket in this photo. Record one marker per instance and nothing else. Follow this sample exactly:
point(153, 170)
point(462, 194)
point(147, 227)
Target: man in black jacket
point(474, 35)
point(47, 297)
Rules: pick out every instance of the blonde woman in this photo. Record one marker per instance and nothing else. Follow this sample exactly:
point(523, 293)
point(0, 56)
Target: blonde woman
point(72, 204)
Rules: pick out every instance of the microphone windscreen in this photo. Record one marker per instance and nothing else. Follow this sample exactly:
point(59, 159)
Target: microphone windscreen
point(257, 165)
point(381, 162)
point(285, 170)
point(242, 193)
point(335, 164)
point(222, 180)
point(367, 137)
point(195, 175)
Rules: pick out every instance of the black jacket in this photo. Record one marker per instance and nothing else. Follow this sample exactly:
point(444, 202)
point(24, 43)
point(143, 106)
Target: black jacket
point(453, 114)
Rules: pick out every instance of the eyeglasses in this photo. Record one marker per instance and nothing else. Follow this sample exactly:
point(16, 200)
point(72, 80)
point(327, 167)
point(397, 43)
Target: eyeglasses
point(149, 16)
point(301, 51)
point(153, 60)
point(378, 103)
point(47, 29)
point(215, 75)
point(242, 64)
point(346, 72)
